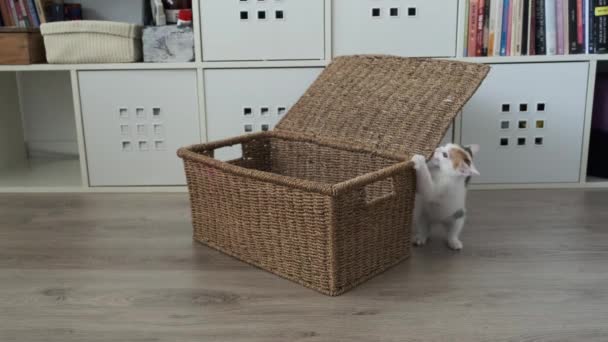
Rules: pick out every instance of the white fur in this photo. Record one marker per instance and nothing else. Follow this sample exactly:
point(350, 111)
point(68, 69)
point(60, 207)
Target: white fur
point(441, 192)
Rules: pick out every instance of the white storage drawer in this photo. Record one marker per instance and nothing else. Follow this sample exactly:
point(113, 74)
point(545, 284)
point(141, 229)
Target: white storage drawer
point(263, 30)
point(134, 121)
point(398, 27)
point(251, 100)
point(528, 119)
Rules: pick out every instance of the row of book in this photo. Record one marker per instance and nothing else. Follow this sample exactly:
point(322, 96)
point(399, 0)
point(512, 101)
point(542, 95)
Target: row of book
point(536, 27)
point(31, 13)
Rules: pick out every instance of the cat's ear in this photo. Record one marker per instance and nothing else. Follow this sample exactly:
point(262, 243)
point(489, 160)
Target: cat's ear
point(474, 148)
point(468, 170)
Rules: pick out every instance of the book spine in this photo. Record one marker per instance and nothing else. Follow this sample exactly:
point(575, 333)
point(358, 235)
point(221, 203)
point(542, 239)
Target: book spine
point(602, 26)
point(33, 13)
point(586, 25)
point(465, 51)
point(498, 27)
point(525, 32)
point(40, 10)
point(486, 27)
point(572, 27)
point(532, 29)
point(6, 13)
point(592, 29)
point(504, 36)
point(539, 12)
point(516, 35)
point(16, 17)
point(472, 49)
point(566, 24)
point(492, 29)
point(559, 13)
point(23, 12)
point(550, 28)
point(580, 38)
point(479, 33)
point(28, 14)
point(510, 28)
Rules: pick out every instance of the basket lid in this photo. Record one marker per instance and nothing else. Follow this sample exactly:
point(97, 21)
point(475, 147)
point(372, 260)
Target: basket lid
point(388, 104)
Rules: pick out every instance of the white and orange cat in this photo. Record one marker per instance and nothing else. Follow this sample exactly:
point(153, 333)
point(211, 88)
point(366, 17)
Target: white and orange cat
point(441, 192)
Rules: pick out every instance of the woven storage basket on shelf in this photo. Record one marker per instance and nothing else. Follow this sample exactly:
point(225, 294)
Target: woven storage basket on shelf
point(325, 199)
point(92, 41)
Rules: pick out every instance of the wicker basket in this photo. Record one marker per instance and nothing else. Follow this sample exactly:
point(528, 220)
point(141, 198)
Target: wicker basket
point(91, 41)
point(326, 198)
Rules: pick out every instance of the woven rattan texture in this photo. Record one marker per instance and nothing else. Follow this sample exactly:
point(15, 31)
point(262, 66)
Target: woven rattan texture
point(390, 104)
point(326, 199)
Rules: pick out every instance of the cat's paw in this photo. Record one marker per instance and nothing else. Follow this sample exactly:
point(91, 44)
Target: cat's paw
point(420, 241)
point(455, 244)
point(418, 160)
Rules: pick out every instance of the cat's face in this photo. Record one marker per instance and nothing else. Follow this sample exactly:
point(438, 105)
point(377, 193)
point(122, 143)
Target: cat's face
point(455, 160)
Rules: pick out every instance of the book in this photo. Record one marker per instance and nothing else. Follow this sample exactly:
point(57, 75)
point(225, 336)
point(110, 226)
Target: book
point(592, 28)
point(532, 29)
point(41, 6)
point(479, 32)
point(601, 20)
point(504, 28)
point(486, 27)
point(494, 28)
point(510, 28)
point(18, 22)
point(525, 31)
point(539, 13)
point(6, 13)
point(516, 28)
point(31, 8)
point(472, 49)
point(559, 12)
point(586, 26)
point(580, 38)
point(520, 26)
point(466, 29)
point(30, 13)
point(498, 34)
point(550, 28)
point(566, 24)
point(572, 27)
point(22, 12)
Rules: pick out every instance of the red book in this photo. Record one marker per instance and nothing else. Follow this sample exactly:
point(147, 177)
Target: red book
point(6, 14)
point(479, 31)
point(473, 12)
point(28, 12)
point(16, 9)
point(579, 23)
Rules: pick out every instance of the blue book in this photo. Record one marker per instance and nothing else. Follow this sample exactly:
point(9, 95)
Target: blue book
point(34, 13)
point(505, 28)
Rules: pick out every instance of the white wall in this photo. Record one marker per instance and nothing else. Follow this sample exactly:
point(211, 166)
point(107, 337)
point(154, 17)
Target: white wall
point(48, 113)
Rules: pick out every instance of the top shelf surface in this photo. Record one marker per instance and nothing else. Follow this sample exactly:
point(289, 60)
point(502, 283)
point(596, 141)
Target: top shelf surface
point(253, 64)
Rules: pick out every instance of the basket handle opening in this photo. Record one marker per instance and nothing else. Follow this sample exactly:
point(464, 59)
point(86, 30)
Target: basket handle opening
point(379, 191)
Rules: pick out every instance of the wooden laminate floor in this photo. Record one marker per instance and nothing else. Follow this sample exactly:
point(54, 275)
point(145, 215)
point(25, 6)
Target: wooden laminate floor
point(122, 267)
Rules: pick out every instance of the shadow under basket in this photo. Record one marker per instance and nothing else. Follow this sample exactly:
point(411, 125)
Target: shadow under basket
point(326, 199)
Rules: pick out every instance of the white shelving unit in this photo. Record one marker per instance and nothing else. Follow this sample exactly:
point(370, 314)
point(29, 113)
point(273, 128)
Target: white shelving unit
point(22, 169)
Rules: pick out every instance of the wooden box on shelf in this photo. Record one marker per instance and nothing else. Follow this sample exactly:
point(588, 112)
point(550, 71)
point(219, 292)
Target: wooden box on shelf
point(21, 46)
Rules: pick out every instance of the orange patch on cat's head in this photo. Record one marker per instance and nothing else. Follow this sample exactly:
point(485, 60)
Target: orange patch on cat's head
point(459, 156)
